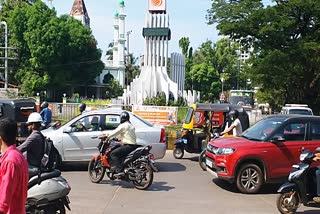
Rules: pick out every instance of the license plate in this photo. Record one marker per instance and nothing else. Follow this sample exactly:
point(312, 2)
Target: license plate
point(209, 163)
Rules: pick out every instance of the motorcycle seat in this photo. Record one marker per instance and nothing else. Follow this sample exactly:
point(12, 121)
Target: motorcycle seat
point(43, 176)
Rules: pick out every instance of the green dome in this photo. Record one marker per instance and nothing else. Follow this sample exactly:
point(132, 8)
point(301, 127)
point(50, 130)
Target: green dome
point(116, 14)
point(122, 3)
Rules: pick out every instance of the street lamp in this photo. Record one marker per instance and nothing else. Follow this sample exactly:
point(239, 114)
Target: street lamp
point(5, 55)
point(222, 95)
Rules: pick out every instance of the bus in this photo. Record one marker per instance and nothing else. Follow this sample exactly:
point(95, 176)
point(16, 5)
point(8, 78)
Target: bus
point(243, 98)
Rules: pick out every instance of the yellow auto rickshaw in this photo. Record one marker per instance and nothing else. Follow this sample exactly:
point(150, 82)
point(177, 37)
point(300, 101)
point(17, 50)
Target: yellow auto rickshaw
point(193, 137)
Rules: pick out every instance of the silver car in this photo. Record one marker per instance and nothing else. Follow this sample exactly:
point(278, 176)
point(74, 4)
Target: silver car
point(75, 140)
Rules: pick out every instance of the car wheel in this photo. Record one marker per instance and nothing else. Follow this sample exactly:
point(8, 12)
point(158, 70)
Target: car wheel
point(202, 160)
point(249, 178)
point(178, 153)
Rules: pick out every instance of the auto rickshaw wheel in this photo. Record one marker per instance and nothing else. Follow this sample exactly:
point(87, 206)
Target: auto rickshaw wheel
point(202, 160)
point(178, 153)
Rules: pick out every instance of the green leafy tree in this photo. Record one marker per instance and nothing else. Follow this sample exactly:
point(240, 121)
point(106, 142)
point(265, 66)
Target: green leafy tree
point(210, 63)
point(53, 52)
point(187, 51)
point(113, 90)
point(286, 42)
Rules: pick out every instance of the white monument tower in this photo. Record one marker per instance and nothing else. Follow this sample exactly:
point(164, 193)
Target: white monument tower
point(154, 78)
point(116, 67)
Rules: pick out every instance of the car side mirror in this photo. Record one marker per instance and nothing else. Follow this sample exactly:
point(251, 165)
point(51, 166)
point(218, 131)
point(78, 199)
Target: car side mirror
point(67, 129)
point(278, 138)
point(318, 150)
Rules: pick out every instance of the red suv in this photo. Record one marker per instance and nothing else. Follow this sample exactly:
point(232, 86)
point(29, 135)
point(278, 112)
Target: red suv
point(265, 152)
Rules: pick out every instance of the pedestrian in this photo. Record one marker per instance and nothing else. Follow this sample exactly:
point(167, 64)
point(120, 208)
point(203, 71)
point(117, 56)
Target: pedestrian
point(13, 171)
point(33, 146)
point(46, 115)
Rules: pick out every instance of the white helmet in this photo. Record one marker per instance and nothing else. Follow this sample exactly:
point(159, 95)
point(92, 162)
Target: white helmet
point(34, 117)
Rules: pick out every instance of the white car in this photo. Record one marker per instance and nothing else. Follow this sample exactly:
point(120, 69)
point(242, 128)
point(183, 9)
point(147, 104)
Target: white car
point(296, 109)
point(75, 140)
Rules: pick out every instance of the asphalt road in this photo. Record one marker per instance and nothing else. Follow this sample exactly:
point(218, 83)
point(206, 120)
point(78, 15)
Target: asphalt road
point(180, 187)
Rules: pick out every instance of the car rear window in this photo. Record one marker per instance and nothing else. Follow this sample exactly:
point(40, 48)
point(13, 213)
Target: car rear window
point(142, 120)
point(300, 111)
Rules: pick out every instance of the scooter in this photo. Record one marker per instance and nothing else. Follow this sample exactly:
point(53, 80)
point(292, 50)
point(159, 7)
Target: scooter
point(202, 156)
point(47, 193)
point(301, 185)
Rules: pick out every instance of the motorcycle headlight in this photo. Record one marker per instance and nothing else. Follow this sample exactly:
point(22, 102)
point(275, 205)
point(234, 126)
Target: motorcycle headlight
point(225, 151)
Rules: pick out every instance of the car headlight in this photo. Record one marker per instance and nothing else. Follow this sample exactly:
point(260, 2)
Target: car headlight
point(225, 151)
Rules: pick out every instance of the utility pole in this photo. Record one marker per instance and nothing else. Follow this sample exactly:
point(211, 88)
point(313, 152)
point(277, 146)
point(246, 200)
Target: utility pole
point(5, 55)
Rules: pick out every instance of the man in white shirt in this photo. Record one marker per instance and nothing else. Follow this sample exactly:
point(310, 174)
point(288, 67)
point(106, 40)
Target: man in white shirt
point(236, 126)
point(126, 131)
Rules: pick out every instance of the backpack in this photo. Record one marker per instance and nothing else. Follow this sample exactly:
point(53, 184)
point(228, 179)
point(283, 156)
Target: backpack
point(49, 157)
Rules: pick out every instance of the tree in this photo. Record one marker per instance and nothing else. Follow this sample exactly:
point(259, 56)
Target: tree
point(53, 52)
point(286, 42)
point(211, 62)
point(113, 90)
point(187, 51)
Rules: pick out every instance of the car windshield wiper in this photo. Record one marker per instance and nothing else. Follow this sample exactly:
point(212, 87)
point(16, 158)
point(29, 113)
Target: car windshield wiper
point(250, 138)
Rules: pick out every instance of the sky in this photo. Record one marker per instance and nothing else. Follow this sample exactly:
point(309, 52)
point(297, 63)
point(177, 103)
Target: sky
point(187, 19)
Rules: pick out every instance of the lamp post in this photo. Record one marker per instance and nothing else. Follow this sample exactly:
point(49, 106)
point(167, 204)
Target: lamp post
point(222, 95)
point(5, 54)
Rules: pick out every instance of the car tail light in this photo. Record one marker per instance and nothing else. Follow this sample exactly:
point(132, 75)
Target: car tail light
point(163, 136)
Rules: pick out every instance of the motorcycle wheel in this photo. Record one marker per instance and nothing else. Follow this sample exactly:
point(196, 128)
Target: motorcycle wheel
point(144, 175)
point(202, 160)
point(178, 153)
point(96, 170)
point(286, 207)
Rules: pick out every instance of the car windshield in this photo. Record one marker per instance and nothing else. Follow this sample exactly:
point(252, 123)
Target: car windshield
point(262, 129)
point(300, 111)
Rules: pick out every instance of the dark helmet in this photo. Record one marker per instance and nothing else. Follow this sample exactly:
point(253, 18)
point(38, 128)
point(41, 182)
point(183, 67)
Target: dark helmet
point(124, 116)
point(44, 104)
point(82, 107)
point(234, 113)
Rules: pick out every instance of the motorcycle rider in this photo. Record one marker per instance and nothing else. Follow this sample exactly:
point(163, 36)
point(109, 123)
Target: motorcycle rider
point(46, 114)
point(235, 126)
point(126, 131)
point(33, 146)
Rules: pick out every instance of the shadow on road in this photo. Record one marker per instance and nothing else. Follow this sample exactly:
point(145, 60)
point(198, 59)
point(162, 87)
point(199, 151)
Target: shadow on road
point(309, 212)
point(266, 189)
point(155, 186)
point(74, 166)
point(170, 167)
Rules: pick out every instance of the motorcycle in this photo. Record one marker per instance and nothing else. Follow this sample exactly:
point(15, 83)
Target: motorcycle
point(138, 166)
point(47, 193)
point(301, 186)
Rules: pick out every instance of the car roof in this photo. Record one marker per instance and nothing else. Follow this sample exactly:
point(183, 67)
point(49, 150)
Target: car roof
point(104, 111)
point(294, 116)
point(224, 107)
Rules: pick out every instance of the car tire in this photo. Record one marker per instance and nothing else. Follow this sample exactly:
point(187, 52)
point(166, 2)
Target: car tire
point(178, 153)
point(202, 160)
point(249, 178)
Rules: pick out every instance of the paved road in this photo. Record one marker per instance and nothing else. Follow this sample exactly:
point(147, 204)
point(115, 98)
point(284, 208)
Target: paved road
point(180, 187)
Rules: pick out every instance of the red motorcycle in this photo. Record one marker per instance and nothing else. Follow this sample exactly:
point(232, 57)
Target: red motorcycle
point(138, 166)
